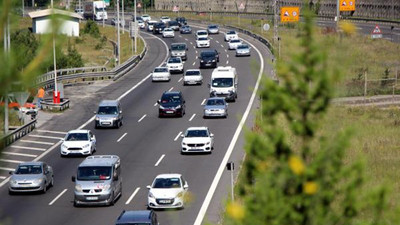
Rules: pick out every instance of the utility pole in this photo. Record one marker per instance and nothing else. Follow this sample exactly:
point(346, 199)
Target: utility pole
point(7, 53)
point(104, 6)
point(337, 14)
point(275, 20)
point(54, 60)
point(118, 34)
point(123, 18)
point(23, 8)
point(136, 30)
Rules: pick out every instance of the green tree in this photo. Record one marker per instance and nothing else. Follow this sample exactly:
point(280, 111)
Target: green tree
point(92, 29)
point(25, 45)
point(292, 174)
point(74, 59)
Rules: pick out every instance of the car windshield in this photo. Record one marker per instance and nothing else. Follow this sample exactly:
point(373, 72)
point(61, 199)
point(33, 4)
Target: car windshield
point(160, 70)
point(107, 110)
point(174, 60)
point(222, 82)
point(167, 183)
point(243, 47)
point(178, 47)
point(196, 133)
point(185, 27)
point(29, 169)
point(192, 73)
point(94, 173)
point(212, 27)
point(202, 33)
point(215, 102)
point(203, 39)
point(150, 23)
point(173, 23)
point(77, 137)
point(207, 54)
point(231, 32)
point(165, 17)
point(168, 29)
point(235, 41)
point(171, 99)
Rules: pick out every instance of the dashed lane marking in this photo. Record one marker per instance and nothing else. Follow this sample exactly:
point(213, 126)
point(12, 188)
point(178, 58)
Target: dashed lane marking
point(191, 118)
point(227, 61)
point(42, 136)
point(217, 42)
point(50, 131)
point(155, 104)
point(204, 101)
point(8, 169)
point(141, 118)
point(133, 195)
point(194, 63)
point(20, 154)
point(58, 196)
point(122, 137)
point(2, 177)
point(29, 148)
point(11, 161)
point(177, 136)
point(180, 79)
point(159, 160)
point(37, 142)
point(170, 89)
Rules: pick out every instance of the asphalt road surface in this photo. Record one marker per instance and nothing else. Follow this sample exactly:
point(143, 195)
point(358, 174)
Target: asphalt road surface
point(146, 144)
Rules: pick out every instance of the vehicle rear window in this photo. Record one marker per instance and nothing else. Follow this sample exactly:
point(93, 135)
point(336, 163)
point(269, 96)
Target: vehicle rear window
point(202, 33)
point(171, 99)
point(208, 54)
point(215, 102)
point(231, 32)
point(174, 60)
point(94, 173)
point(235, 41)
point(160, 70)
point(202, 39)
point(178, 47)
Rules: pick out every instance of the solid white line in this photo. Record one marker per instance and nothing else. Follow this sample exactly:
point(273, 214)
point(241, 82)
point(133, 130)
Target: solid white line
point(133, 195)
point(141, 118)
point(227, 61)
point(8, 169)
point(122, 137)
point(29, 148)
point(11, 161)
point(180, 79)
point(41, 136)
point(19, 154)
point(204, 100)
point(194, 63)
point(191, 118)
point(38, 142)
point(2, 177)
point(155, 104)
point(53, 132)
point(177, 136)
point(161, 158)
point(170, 89)
point(228, 153)
point(58, 196)
point(217, 42)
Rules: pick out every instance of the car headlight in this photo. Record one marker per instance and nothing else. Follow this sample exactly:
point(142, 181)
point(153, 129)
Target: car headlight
point(64, 146)
point(178, 107)
point(202, 61)
point(151, 195)
point(97, 118)
point(180, 194)
point(85, 146)
point(213, 60)
point(106, 187)
point(38, 181)
point(13, 182)
point(78, 188)
point(161, 107)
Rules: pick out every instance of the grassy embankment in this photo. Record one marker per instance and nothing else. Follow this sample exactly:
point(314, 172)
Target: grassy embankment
point(375, 131)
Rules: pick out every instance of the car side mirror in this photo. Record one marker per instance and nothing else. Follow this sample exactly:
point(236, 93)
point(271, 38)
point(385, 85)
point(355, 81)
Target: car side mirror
point(94, 112)
point(182, 135)
point(211, 135)
point(73, 178)
point(170, 50)
point(46, 172)
point(186, 186)
point(158, 101)
point(120, 111)
point(11, 172)
point(148, 186)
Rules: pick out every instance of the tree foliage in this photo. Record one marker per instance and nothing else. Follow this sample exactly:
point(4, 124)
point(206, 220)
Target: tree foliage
point(292, 174)
point(92, 29)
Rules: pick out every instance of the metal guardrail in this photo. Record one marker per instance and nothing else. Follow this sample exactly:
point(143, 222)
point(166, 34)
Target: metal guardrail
point(18, 133)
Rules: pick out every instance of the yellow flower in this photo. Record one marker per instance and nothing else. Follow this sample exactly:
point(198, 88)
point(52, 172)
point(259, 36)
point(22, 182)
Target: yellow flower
point(348, 27)
point(262, 166)
point(310, 187)
point(296, 165)
point(235, 210)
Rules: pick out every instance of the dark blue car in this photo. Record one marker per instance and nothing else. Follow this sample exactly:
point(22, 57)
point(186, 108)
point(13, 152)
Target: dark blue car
point(186, 29)
point(145, 217)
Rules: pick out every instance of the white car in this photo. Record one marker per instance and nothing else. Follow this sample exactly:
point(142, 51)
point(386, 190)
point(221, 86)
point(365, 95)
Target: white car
point(167, 191)
point(231, 35)
point(201, 33)
point(175, 64)
point(141, 24)
point(197, 139)
point(150, 25)
point(192, 77)
point(202, 42)
point(234, 43)
point(161, 74)
point(168, 32)
point(146, 18)
point(78, 142)
point(165, 19)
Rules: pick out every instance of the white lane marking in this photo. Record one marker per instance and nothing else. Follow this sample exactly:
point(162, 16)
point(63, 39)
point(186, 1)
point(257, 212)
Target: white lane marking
point(211, 38)
point(42, 136)
point(194, 63)
point(29, 148)
point(170, 89)
point(194, 47)
point(155, 104)
point(53, 132)
point(227, 61)
point(204, 101)
point(133, 195)
point(161, 158)
point(196, 52)
point(217, 42)
point(2, 177)
point(122, 137)
point(186, 39)
point(191, 118)
point(38, 142)
point(141, 118)
point(222, 45)
point(58, 196)
point(191, 43)
point(19, 154)
point(197, 57)
point(226, 50)
point(8, 169)
point(180, 79)
point(177, 136)
point(228, 153)
point(11, 161)
point(227, 56)
point(180, 36)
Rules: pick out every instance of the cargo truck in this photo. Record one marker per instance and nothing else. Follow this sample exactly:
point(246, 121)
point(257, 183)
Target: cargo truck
point(95, 10)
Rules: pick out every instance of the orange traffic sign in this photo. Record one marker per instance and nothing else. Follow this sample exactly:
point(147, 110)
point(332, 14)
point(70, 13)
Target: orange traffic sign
point(290, 14)
point(347, 5)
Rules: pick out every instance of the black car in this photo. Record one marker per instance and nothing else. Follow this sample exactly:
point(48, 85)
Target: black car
point(209, 58)
point(185, 29)
point(171, 104)
point(181, 21)
point(158, 28)
point(145, 217)
point(173, 25)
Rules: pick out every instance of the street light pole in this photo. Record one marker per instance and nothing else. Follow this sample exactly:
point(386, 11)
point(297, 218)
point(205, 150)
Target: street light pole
point(275, 20)
point(23, 8)
point(136, 33)
point(337, 14)
point(104, 6)
point(54, 59)
point(123, 18)
point(6, 51)
point(118, 34)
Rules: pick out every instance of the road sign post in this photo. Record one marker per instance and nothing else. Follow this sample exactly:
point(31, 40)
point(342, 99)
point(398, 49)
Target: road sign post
point(241, 7)
point(230, 166)
point(376, 33)
point(290, 14)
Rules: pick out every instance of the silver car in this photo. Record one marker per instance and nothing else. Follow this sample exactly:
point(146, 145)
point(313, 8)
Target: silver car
point(243, 50)
point(216, 107)
point(109, 114)
point(213, 29)
point(30, 177)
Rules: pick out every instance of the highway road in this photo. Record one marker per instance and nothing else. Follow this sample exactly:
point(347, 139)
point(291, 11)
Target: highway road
point(146, 144)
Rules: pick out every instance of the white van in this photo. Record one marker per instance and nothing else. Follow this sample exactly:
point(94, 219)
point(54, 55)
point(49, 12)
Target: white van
point(224, 83)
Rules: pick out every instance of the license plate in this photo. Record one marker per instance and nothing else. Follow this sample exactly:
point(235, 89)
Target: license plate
point(165, 201)
point(106, 123)
point(92, 198)
point(169, 112)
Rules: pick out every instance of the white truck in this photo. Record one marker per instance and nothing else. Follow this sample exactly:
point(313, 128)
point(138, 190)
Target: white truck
point(95, 10)
point(224, 83)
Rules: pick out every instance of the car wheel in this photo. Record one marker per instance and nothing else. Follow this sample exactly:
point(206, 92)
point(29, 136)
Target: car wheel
point(96, 127)
point(75, 204)
point(44, 188)
point(52, 182)
point(10, 192)
point(112, 200)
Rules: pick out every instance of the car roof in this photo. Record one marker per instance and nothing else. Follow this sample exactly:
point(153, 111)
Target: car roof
point(168, 175)
point(202, 31)
point(181, 43)
point(100, 160)
point(216, 98)
point(31, 163)
point(193, 70)
point(78, 131)
point(109, 103)
point(161, 67)
point(172, 93)
point(174, 58)
point(197, 128)
point(209, 50)
point(139, 216)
